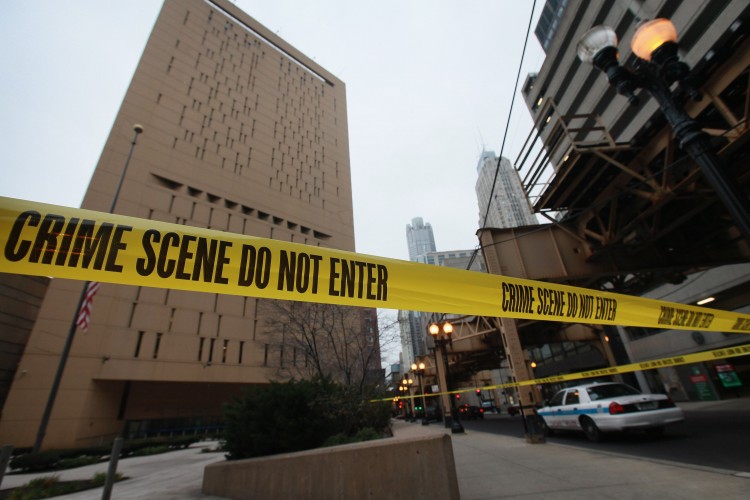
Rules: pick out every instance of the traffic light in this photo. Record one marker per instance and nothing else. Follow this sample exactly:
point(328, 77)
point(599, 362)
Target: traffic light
point(478, 391)
point(458, 396)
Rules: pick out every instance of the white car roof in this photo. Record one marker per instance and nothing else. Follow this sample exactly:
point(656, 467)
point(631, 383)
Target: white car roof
point(593, 384)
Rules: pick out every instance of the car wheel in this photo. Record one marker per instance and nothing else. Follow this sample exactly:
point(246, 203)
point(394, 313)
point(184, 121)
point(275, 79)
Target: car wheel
point(655, 431)
point(591, 430)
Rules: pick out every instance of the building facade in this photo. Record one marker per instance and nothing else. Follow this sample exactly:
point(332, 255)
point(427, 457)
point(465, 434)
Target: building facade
point(468, 260)
point(242, 133)
point(549, 20)
point(499, 186)
point(595, 179)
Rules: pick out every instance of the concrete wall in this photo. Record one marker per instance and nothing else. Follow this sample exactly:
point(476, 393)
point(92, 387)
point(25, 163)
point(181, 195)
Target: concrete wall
point(387, 468)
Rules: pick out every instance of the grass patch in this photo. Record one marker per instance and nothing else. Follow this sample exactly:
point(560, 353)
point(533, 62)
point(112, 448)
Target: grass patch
point(51, 486)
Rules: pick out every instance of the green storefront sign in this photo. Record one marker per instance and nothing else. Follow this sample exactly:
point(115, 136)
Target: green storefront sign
point(728, 376)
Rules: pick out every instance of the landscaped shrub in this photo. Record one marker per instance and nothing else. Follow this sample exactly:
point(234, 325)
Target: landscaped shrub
point(35, 462)
point(51, 486)
point(294, 416)
point(91, 451)
point(274, 419)
point(72, 463)
point(36, 488)
point(76, 457)
point(183, 441)
point(101, 477)
point(131, 447)
point(366, 434)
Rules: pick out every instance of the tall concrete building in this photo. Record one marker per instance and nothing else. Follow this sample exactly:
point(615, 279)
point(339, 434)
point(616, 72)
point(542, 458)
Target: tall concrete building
point(422, 249)
point(549, 21)
point(242, 133)
point(508, 205)
point(420, 239)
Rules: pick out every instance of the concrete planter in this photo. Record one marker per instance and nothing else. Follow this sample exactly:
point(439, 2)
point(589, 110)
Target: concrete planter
point(386, 468)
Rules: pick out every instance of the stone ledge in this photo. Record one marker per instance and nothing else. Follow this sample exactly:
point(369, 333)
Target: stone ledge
point(421, 467)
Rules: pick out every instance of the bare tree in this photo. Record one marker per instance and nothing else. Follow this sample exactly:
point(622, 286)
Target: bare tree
point(343, 343)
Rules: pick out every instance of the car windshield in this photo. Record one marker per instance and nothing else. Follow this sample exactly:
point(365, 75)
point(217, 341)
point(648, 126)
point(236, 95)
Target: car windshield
point(609, 391)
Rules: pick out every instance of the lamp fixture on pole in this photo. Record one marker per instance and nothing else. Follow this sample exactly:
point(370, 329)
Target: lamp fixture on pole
point(403, 389)
point(655, 42)
point(441, 335)
point(419, 369)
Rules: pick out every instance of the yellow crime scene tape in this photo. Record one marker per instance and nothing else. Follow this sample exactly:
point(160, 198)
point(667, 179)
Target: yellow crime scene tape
point(48, 240)
point(685, 359)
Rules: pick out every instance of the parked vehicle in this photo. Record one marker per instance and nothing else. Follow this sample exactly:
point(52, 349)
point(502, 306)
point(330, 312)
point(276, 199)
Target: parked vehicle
point(608, 407)
point(433, 414)
point(471, 412)
point(488, 406)
point(513, 410)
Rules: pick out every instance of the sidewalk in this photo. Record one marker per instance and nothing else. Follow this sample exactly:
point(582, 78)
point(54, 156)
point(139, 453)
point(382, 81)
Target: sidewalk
point(173, 475)
point(491, 466)
point(723, 405)
point(488, 466)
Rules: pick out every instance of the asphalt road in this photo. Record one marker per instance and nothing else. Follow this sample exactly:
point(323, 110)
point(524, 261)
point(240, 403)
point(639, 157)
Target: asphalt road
point(717, 439)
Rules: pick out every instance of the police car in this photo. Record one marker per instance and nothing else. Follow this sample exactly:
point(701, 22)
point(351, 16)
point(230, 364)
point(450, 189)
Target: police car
point(608, 407)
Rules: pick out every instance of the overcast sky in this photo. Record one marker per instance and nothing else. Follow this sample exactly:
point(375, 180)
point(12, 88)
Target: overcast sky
point(429, 84)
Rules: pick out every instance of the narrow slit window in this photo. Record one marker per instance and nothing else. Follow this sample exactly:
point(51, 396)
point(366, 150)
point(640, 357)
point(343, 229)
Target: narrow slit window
point(138, 343)
point(156, 345)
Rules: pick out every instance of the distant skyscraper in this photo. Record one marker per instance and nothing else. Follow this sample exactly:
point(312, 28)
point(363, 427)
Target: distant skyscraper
point(420, 238)
point(421, 241)
point(510, 207)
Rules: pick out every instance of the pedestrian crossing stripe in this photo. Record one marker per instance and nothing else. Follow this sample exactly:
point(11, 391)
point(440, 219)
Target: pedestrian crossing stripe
point(48, 240)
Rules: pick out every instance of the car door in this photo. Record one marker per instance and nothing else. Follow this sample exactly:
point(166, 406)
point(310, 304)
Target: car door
point(552, 413)
point(570, 410)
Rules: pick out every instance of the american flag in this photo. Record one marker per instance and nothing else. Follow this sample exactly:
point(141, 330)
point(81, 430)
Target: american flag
point(85, 312)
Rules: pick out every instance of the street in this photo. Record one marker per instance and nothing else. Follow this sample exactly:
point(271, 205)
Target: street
point(716, 436)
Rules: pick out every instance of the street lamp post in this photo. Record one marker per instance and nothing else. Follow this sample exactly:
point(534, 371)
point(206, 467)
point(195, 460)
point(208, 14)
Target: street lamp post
point(655, 42)
point(406, 383)
point(441, 335)
point(419, 370)
point(403, 389)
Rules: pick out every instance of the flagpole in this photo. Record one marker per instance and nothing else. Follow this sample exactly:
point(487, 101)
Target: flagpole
point(137, 129)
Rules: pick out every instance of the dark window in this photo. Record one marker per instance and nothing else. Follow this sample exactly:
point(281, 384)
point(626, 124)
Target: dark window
point(138, 344)
point(608, 391)
point(157, 344)
point(557, 399)
point(573, 398)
